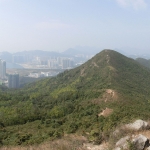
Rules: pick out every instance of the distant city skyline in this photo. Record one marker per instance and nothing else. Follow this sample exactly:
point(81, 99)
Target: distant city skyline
point(56, 25)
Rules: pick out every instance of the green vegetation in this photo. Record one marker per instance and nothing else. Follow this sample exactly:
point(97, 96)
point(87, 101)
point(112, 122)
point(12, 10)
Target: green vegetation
point(71, 102)
point(26, 80)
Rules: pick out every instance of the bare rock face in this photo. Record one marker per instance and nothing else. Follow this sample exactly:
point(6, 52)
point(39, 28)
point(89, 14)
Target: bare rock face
point(123, 143)
point(117, 148)
point(140, 142)
point(137, 125)
point(89, 146)
point(148, 148)
point(137, 142)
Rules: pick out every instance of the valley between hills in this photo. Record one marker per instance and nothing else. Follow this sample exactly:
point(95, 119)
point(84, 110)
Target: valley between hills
point(82, 105)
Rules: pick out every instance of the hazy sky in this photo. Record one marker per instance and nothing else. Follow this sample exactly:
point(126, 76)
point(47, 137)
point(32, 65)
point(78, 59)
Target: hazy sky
point(62, 24)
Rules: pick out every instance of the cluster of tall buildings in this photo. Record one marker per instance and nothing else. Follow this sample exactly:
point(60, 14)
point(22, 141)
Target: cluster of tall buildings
point(45, 61)
point(60, 62)
point(55, 63)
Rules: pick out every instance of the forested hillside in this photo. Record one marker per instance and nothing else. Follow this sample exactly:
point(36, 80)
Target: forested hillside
point(73, 101)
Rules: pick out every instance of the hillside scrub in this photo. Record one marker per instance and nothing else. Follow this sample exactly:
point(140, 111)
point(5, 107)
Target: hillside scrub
point(70, 102)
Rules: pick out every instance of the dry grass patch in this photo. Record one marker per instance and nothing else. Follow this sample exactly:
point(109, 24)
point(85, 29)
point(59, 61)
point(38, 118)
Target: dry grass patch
point(106, 112)
point(71, 142)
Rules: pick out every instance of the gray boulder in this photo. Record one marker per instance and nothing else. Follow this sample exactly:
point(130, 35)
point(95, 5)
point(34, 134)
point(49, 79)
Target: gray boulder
point(140, 142)
point(123, 143)
point(138, 125)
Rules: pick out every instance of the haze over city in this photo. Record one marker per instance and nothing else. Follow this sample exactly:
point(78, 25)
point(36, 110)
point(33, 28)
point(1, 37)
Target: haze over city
point(74, 74)
point(56, 25)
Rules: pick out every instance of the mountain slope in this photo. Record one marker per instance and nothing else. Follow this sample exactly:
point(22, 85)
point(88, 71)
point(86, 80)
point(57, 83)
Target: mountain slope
point(108, 69)
point(76, 101)
point(144, 62)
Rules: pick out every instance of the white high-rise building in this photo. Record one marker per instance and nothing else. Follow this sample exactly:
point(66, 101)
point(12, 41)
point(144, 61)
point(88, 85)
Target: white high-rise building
point(2, 69)
point(52, 63)
point(67, 63)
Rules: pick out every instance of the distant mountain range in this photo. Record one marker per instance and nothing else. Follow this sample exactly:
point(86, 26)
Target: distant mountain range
point(80, 54)
point(72, 52)
point(144, 62)
point(68, 53)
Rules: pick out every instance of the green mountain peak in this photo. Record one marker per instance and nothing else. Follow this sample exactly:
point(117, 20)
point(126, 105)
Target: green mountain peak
point(90, 100)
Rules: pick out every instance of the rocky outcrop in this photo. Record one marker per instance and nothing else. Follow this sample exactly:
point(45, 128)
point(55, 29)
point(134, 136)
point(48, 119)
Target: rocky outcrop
point(90, 146)
point(140, 142)
point(123, 143)
point(137, 140)
point(138, 125)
